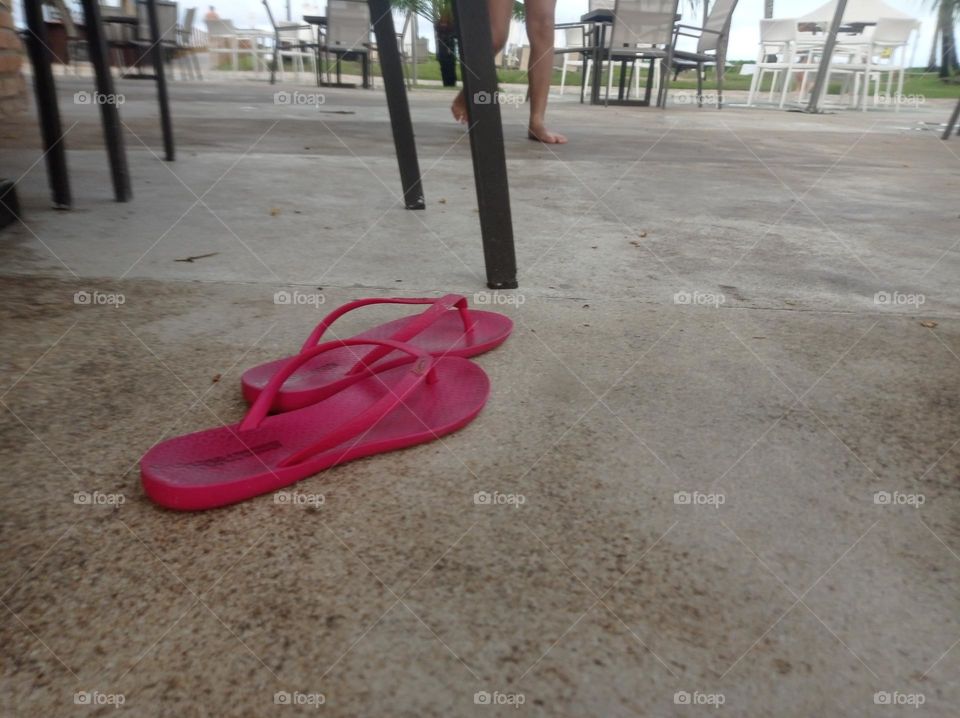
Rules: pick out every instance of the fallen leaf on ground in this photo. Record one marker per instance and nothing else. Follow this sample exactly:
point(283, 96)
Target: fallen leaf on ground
point(929, 324)
point(274, 211)
point(216, 378)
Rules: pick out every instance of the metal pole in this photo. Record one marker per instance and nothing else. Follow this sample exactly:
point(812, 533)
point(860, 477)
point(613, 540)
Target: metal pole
point(396, 91)
point(46, 92)
point(824, 71)
point(158, 72)
point(109, 116)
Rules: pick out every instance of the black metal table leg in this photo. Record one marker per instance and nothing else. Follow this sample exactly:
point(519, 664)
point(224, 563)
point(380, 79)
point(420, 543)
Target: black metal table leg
point(110, 117)
point(158, 71)
point(952, 123)
point(486, 142)
point(54, 150)
point(598, 38)
point(583, 73)
point(649, 87)
point(396, 91)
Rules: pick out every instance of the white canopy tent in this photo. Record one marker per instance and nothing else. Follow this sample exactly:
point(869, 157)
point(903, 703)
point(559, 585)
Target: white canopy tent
point(855, 11)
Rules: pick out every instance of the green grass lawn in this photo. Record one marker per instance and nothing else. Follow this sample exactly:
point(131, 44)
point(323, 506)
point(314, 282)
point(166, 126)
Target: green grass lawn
point(917, 82)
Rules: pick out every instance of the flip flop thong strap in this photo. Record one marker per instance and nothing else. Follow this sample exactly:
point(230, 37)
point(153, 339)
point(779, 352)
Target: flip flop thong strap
point(417, 324)
point(448, 301)
point(422, 367)
point(367, 419)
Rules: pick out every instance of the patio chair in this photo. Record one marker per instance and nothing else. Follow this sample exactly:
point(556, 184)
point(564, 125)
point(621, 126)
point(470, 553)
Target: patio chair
point(348, 34)
point(76, 45)
point(120, 36)
point(167, 16)
point(288, 43)
point(777, 56)
point(185, 49)
point(575, 43)
point(642, 30)
point(885, 52)
point(711, 46)
point(223, 38)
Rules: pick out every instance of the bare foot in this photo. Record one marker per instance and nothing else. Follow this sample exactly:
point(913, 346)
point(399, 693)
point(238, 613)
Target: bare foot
point(539, 133)
point(459, 108)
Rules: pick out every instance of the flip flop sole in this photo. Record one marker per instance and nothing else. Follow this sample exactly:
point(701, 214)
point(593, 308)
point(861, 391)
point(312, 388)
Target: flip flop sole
point(325, 375)
point(221, 466)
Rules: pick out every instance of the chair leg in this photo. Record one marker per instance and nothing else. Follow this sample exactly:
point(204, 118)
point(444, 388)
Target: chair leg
point(393, 82)
point(667, 63)
point(486, 144)
point(952, 122)
point(161, 80)
point(720, 73)
point(699, 84)
point(866, 87)
point(787, 77)
point(563, 75)
point(109, 116)
point(46, 94)
point(753, 86)
point(606, 100)
point(586, 66)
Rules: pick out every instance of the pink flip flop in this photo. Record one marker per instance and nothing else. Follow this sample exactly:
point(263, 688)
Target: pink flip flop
point(439, 331)
point(412, 403)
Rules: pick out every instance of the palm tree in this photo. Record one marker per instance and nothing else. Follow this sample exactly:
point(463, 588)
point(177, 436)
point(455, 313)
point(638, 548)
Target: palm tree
point(948, 15)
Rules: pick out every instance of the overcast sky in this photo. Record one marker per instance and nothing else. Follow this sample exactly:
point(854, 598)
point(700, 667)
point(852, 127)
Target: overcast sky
point(744, 34)
point(743, 37)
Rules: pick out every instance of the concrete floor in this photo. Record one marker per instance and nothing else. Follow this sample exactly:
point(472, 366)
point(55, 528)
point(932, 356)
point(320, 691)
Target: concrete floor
point(784, 389)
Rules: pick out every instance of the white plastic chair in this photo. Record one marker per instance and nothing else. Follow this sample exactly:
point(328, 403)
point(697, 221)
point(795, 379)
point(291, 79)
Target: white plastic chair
point(778, 39)
point(884, 53)
point(576, 39)
point(291, 45)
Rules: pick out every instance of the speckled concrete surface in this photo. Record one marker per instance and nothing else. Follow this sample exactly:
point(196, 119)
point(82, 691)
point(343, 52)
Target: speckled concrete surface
point(598, 592)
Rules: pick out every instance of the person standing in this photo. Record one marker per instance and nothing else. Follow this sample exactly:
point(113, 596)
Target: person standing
point(540, 30)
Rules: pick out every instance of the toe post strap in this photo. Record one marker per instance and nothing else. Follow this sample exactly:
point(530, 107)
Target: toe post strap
point(422, 369)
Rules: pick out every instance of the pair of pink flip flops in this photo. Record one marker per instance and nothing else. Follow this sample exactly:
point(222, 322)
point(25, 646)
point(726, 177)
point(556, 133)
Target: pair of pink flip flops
point(396, 385)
